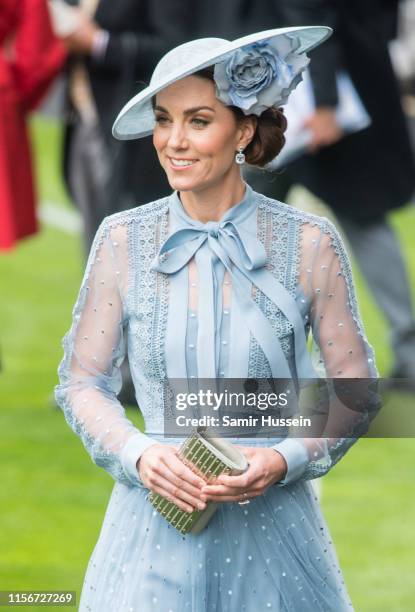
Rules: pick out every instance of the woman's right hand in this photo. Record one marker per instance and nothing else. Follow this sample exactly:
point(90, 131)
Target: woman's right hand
point(163, 472)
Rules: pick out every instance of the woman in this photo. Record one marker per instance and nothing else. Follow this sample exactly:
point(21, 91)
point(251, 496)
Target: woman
point(215, 281)
point(30, 57)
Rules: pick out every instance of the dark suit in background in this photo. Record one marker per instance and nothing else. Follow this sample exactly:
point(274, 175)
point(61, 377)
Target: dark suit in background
point(140, 33)
point(366, 174)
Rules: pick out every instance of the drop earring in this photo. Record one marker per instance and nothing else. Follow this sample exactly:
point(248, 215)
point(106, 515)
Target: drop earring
point(240, 156)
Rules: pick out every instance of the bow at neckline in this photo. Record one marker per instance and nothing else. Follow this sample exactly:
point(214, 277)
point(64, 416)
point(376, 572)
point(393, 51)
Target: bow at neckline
point(233, 242)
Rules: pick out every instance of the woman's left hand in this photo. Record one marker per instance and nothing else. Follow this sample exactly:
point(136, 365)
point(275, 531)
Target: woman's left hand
point(266, 466)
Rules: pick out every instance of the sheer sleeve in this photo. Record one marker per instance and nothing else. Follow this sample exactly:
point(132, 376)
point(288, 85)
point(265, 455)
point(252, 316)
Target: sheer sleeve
point(340, 350)
point(94, 349)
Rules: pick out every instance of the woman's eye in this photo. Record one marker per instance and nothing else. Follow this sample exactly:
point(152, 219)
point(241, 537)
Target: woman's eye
point(161, 119)
point(200, 122)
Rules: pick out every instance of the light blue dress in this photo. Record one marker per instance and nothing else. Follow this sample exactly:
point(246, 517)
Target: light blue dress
point(191, 300)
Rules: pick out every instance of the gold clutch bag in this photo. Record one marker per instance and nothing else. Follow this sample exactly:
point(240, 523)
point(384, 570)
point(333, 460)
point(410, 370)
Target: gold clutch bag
point(208, 457)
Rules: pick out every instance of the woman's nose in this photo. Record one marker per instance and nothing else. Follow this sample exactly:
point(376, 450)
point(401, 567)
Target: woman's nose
point(177, 137)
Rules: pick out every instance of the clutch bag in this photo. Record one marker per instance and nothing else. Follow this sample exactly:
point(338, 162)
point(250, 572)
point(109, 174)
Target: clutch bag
point(208, 457)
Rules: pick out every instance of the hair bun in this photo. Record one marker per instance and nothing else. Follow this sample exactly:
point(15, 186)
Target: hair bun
point(269, 137)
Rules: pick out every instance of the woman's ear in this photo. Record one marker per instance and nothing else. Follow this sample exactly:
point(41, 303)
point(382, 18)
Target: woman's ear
point(248, 128)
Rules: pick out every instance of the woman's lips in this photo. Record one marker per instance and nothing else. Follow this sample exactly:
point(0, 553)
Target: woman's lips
point(181, 164)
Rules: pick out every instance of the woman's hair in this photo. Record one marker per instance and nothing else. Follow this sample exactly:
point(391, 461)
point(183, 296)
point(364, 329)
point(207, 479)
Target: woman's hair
point(269, 136)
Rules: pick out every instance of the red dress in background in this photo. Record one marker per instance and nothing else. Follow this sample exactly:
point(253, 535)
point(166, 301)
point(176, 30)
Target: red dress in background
point(30, 56)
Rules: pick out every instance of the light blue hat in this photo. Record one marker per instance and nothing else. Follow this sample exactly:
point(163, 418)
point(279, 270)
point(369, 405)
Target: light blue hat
point(254, 72)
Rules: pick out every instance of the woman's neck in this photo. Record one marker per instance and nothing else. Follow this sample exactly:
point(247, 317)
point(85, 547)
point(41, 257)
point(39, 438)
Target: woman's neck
point(211, 203)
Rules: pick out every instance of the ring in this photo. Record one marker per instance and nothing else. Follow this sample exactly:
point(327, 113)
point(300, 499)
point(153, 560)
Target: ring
point(245, 501)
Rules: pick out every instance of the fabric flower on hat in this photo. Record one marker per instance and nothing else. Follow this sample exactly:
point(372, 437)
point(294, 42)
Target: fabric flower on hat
point(260, 75)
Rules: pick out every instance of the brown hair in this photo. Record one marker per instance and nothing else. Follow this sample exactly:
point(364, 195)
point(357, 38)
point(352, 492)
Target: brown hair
point(269, 136)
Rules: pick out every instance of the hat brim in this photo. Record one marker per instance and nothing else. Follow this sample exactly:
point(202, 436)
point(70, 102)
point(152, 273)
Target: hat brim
point(136, 119)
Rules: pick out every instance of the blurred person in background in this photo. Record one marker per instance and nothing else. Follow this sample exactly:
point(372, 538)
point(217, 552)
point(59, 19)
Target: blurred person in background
point(361, 176)
point(30, 57)
point(402, 49)
point(114, 48)
point(403, 46)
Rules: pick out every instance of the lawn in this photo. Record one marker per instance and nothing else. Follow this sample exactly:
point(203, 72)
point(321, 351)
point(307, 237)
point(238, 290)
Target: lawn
point(53, 497)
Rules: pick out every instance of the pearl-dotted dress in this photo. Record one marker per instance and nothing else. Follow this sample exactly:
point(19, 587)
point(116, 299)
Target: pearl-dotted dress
point(233, 299)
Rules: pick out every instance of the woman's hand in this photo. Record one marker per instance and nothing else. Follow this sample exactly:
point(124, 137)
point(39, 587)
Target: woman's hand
point(163, 472)
point(266, 466)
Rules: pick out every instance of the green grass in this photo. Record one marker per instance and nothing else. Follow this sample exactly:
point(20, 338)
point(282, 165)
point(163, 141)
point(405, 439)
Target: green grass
point(49, 142)
point(369, 503)
point(53, 498)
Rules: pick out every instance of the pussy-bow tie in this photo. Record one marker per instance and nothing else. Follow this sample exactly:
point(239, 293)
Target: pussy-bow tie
point(232, 241)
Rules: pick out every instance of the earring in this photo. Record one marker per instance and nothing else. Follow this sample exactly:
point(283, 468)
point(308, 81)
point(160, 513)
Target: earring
point(240, 156)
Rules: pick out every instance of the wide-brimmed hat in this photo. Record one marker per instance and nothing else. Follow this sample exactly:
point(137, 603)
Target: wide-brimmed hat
point(253, 72)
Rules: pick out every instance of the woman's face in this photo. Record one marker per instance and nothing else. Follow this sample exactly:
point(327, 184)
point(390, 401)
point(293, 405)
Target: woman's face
point(196, 135)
